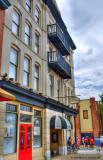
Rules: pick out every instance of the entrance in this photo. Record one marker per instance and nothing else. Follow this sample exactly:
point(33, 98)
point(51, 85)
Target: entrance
point(25, 142)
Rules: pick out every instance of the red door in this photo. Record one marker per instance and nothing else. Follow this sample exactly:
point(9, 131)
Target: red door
point(25, 142)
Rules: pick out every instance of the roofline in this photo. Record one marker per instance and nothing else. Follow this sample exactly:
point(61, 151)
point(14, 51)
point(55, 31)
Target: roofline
point(4, 4)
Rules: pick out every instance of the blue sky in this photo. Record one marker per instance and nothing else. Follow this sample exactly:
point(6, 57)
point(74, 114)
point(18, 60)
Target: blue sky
point(84, 20)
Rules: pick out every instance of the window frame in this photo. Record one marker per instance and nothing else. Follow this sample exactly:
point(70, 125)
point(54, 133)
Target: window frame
point(36, 78)
point(29, 7)
point(28, 73)
point(83, 114)
point(58, 90)
point(26, 35)
point(51, 85)
point(37, 18)
point(14, 65)
point(37, 45)
point(13, 22)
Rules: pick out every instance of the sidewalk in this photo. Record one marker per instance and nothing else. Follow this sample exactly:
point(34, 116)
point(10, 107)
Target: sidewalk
point(82, 154)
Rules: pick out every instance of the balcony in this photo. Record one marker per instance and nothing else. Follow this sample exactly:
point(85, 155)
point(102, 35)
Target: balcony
point(57, 37)
point(58, 64)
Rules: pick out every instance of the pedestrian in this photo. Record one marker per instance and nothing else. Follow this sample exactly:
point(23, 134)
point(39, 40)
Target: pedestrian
point(83, 141)
point(91, 143)
point(98, 142)
point(70, 144)
point(86, 142)
point(101, 139)
point(78, 143)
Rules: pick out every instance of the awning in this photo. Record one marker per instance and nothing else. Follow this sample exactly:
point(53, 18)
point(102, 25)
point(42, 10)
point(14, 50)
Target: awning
point(5, 96)
point(58, 122)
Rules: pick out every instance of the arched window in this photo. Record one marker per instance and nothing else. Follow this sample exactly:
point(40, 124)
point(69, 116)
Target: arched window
point(36, 77)
point(13, 63)
point(28, 5)
point(51, 85)
point(37, 14)
point(37, 42)
point(27, 33)
point(16, 22)
point(26, 71)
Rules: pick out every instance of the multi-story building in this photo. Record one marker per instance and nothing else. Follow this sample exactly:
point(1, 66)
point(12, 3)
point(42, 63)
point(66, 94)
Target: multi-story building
point(36, 80)
point(89, 122)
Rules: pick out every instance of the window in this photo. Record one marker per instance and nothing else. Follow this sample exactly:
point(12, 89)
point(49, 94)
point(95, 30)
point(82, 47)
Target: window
point(51, 85)
point(36, 78)
point(57, 90)
point(25, 118)
point(36, 43)
point(13, 64)
point(65, 91)
point(10, 134)
point(15, 22)
point(68, 95)
point(26, 71)
point(37, 15)
point(25, 108)
point(37, 137)
point(85, 114)
point(27, 34)
point(28, 5)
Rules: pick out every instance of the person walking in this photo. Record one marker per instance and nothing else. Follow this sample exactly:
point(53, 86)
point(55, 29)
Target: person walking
point(101, 139)
point(70, 144)
point(98, 143)
point(78, 143)
point(86, 142)
point(83, 141)
point(91, 143)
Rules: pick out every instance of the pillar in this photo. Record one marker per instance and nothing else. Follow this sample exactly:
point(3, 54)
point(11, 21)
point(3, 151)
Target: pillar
point(78, 131)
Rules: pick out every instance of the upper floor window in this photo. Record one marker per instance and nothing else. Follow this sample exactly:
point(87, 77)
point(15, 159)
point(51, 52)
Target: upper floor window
point(13, 64)
point(57, 90)
point(65, 90)
point(51, 85)
point(85, 114)
point(15, 22)
point(36, 43)
point(37, 15)
point(36, 78)
point(27, 34)
point(26, 71)
point(28, 5)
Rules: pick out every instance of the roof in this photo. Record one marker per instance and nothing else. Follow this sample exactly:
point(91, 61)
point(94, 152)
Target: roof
point(57, 16)
point(4, 4)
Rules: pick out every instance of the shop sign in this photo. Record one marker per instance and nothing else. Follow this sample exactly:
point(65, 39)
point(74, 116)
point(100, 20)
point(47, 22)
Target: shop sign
point(74, 100)
point(36, 131)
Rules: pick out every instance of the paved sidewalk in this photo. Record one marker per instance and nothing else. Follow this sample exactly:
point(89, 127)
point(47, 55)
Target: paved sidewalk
point(82, 154)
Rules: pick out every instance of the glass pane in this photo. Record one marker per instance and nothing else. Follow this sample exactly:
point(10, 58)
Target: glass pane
point(36, 12)
point(37, 113)
point(27, 40)
point(28, 2)
point(16, 17)
point(12, 71)
point(26, 64)
point(15, 28)
point(36, 39)
point(26, 79)
point(22, 138)
point(25, 108)
point(13, 56)
point(36, 49)
point(27, 29)
point(28, 137)
point(35, 84)
point(25, 118)
point(10, 133)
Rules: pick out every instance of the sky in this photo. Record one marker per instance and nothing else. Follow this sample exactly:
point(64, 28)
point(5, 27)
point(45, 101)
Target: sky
point(84, 21)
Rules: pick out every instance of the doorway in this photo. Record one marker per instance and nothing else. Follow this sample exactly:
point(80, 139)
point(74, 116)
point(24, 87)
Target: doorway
point(25, 142)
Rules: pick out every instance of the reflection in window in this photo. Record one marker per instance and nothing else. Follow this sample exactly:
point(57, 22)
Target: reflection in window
point(22, 138)
point(25, 118)
point(36, 43)
point(37, 15)
point(28, 5)
point(25, 108)
point(15, 22)
point(37, 137)
point(10, 133)
point(28, 137)
point(27, 34)
point(13, 64)
point(51, 85)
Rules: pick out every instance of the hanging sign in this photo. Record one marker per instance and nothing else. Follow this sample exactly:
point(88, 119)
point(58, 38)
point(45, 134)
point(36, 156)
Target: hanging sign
point(74, 100)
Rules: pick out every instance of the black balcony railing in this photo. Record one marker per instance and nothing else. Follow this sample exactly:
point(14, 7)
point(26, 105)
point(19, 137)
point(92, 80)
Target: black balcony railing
point(59, 40)
point(58, 64)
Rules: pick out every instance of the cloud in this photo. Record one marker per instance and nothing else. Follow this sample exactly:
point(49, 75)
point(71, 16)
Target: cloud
point(84, 20)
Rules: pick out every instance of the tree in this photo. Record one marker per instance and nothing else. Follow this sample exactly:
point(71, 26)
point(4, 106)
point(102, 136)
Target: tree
point(101, 102)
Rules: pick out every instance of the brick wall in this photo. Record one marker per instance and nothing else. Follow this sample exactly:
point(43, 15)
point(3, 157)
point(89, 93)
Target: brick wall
point(94, 117)
point(78, 132)
point(2, 16)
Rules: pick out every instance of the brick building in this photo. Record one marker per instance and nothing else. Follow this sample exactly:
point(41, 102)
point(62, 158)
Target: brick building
point(36, 69)
point(87, 121)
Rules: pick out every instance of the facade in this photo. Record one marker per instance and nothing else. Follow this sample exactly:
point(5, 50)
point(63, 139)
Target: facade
point(36, 67)
point(87, 120)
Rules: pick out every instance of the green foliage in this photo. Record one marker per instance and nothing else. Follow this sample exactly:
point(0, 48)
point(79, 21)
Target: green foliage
point(101, 101)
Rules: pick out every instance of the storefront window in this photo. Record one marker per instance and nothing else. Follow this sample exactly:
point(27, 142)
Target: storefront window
point(37, 135)
point(10, 130)
point(25, 118)
point(25, 108)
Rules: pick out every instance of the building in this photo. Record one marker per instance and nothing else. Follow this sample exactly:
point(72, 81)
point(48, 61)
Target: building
point(36, 78)
point(88, 118)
